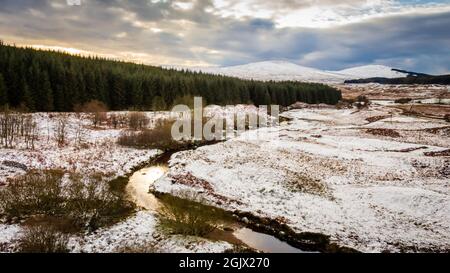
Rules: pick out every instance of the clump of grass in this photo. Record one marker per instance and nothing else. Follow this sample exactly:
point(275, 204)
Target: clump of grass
point(43, 239)
point(301, 183)
point(137, 248)
point(189, 215)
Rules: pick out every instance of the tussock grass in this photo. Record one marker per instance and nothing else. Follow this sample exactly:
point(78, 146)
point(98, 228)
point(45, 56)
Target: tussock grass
point(301, 183)
point(190, 215)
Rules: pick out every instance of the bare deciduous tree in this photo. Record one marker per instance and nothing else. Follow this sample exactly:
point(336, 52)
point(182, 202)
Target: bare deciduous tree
point(80, 132)
point(96, 109)
point(61, 130)
point(30, 131)
point(137, 120)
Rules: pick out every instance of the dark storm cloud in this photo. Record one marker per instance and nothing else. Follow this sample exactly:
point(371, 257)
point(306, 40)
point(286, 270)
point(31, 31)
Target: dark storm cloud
point(195, 35)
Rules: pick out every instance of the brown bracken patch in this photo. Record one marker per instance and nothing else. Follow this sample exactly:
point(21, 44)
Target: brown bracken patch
point(438, 153)
point(376, 118)
point(383, 132)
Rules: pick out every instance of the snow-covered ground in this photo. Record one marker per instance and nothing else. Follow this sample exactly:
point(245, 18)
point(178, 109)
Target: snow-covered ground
point(140, 233)
point(98, 152)
point(333, 172)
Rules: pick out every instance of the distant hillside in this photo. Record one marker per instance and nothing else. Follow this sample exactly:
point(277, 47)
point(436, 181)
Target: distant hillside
point(286, 71)
point(54, 81)
point(373, 71)
point(421, 79)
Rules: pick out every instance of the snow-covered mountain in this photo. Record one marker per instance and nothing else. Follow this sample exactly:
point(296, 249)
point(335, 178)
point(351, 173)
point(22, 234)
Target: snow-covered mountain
point(282, 70)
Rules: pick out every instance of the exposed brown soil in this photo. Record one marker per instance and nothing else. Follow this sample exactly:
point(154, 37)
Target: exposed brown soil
point(427, 110)
point(376, 118)
point(407, 150)
point(439, 153)
point(383, 132)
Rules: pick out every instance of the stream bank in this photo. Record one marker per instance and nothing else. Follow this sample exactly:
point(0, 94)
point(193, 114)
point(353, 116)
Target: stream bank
point(260, 234)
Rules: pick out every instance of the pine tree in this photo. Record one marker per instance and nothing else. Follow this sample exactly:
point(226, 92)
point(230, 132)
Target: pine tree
point(3, 92)
point(158, 104)
point(27, 99)
point(46, 100)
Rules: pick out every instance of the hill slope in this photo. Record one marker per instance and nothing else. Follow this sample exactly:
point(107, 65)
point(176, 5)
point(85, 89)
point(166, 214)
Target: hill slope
point(372, 71)
point(286, 71)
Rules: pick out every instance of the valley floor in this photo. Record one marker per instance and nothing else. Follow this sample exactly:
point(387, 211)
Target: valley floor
point(374, 180)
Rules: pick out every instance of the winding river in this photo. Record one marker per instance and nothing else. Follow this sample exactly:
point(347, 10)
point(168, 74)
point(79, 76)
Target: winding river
point(138, 190)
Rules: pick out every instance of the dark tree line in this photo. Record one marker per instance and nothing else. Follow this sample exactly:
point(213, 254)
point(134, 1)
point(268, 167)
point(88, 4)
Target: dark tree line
point(54, 81)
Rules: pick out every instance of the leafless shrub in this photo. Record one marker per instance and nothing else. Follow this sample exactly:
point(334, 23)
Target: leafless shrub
point(88, 202)
point(9, 124)
point(33, 193)
point(96, 109)
point(159, 137)
point(113, 121)
point(137, 121)
point(16, 126)
point(43, 239)
point(362, 102)
point(117, 120)
point(30, 131)
point(80, 133)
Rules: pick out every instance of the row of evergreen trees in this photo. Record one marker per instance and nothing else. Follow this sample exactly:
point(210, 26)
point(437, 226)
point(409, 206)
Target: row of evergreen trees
point(54, 81)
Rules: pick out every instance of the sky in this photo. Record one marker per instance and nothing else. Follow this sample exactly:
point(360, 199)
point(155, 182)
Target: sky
point(325, 34)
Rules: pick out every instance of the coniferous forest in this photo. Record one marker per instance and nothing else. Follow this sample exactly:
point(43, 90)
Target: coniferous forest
point(53, 81)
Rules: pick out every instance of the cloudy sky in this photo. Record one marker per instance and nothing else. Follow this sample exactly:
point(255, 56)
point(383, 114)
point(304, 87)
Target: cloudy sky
point(326, 34)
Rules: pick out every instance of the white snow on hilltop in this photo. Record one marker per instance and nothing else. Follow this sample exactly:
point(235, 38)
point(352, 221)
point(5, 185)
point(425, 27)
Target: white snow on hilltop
point(282, 71)
point(370, 71)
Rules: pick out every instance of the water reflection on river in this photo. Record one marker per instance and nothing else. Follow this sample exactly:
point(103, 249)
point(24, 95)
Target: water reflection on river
point(264, 242)
point(140, 183)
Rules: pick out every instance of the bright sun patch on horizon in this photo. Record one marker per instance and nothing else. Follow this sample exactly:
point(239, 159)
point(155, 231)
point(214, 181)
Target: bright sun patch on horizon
point(69, 50)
